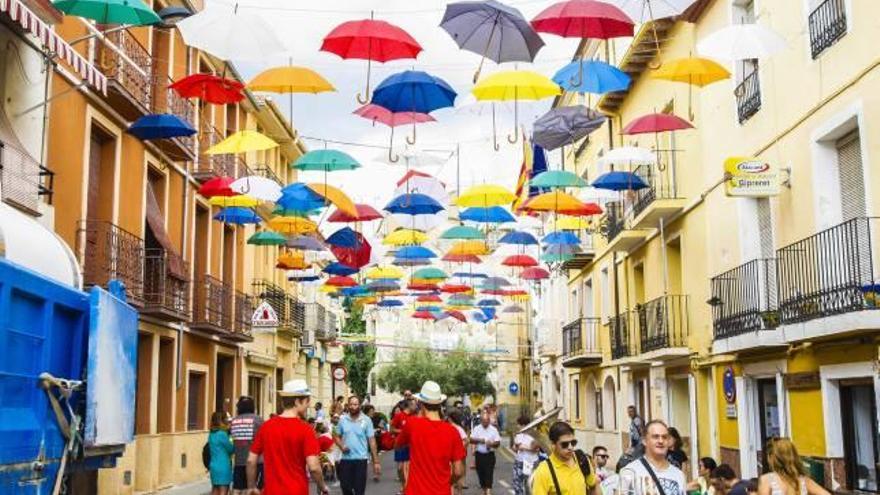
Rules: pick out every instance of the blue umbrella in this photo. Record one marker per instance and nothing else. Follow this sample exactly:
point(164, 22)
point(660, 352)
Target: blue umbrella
point(561, 249)
point(561, 237)
point(344, 237)
point(337, 268)
point(489, 312)
point(414, 204)
point(411, 262)
point(357, 290)
point(469, 275)
point(160, 126)
point(430, 309)
point(480, 316)
point(390, 303)
point(298, 196)
point(488, 303)
point(518, 237)
point(413, 91)
point(414, 253)
point(492, 214)
point(303, 277)
point(619, 181)
point(237, 215)
point(594, 76)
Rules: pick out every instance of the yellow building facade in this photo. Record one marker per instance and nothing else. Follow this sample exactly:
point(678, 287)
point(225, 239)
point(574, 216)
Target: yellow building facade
point(736, 319)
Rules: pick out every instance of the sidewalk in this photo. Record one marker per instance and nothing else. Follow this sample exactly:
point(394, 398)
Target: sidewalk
point(197, 488)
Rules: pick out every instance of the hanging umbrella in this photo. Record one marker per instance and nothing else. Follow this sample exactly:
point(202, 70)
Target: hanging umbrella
point(478, 248)
point(492, 30)
point(411, 262)
point(355, 257)
point(383, 285)
point(429, 298)
point(518, 237)
point(557, 179)
point(478, 275)
point(299, 197)
point(389, 303)
point(160, 126)
point(370, 40)
point(231, 33)
point(656, 122)
point(209, 88)
point(462, 232)
point(461, 258)
point(242, 142)
point(292, 225)
point(335, 196)
point(512, 309)
point(598, 77)
point(488, 303)
point(218, 186)
point(290, 79)
point(458, 315)
point(365, 213)
point(257, 186)
point(422, 286)
point(455, 288)
point(493, 214)
point(344, 237)
point(413, 204)
point(627, 155)
point(305, 243)
point(619, 181)
point(405, 237)
point(642, 11)
point(584, 19)
point(414, 252)
point(378, 113)
point(293, 260)
point(325, 161)
point(534, 273)
point(571, 223)
point(237, 215)
point(514, 85)
point(566, 125)
point(131, 12)
point(484, 196)
point(423, 315)
point(337, 268)
point(430, 273)
point(693, 71)
point(742, 42)
point(413, 91)
point(423, 222)
point(389, 272)
point(561, 237)
point(557, 201)
point(308, 275)
point(419, 182)
point(240, 200)
point(340, 281)
point(519, 260)
point(267, 238)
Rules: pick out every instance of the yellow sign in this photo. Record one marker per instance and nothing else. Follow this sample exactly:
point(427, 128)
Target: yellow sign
point(750, 177)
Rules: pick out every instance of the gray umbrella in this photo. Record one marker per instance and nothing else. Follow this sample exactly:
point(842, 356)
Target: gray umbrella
point(565, 125)
point(493, 30)
point(304, 242)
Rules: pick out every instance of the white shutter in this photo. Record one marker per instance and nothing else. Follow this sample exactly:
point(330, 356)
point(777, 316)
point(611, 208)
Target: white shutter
point(851, 176)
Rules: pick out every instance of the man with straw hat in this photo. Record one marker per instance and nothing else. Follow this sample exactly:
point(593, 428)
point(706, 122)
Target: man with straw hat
point(288, 445)
point(436, 451)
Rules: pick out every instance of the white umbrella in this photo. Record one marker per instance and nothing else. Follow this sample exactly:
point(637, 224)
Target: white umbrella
point(414, 158)
point(642, 11)
point(627, 155)
point(429, 186)
point(601, 196)
point(231, 32)
point(258, 187)
point(742, 42)
point(420, 222)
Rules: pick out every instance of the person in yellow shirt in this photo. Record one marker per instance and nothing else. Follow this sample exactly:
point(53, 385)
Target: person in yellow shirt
point(565, 472)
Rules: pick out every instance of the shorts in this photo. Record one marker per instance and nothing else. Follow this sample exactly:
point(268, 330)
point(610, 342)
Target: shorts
point(401, 454)
point(239, 477)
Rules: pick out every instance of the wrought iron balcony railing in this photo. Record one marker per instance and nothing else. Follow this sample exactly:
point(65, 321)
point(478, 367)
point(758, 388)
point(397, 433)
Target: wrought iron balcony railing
point(285, 306)
point(622, 343)
point(614, 222)
point(166, 100)
point(212, 304)
point(827, 25)
point(659, 187)
point(166, 293)
point(107, 252)
point(744, 299)
point(663, 323)
point(580, 336)
point(129, 65)
point(748, 96)
point(208, 166)
point(23, 179)
point(244, 312)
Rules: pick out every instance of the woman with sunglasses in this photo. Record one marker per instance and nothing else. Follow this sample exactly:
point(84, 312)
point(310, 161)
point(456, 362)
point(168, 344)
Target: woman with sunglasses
point(562, 474)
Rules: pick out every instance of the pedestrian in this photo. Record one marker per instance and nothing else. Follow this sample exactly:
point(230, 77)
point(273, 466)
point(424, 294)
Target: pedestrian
point(288, 446)
point(600, 457)
point(320, 413)
point(702, 483)
point(526, 456)
point(243, 429)
point(339, 405)
point(401, 454)
point(454, 418)
point(676, 455)
point(326, 444)
point(567, 471)
point(786, 475)
point(435, 447)
point(636, 427)
point(220, 445)
point(486, 439)
point(725, 482)
point(356, 439)
point(652, 474)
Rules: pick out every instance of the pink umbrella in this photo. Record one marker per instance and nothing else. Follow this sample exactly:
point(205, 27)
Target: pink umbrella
point(534, 273)
point(656, 122)
point(380, 114)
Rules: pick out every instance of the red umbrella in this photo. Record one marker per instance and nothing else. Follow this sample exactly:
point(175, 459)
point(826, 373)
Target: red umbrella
point(378, 113)
point(365, 213)
point(455, 288)
point(340, 281)
point(422, 286)
point(370, 40)
point(583, 19)
point(461, 258)
point(656, 122)
point(209, 88)
point(218, 186)
point(458, 315)
point(415, 173)
point(534, 273)
point(584, 210)
point(424, 315)
point(521, 260)
point(355, 257)
point(429, 298)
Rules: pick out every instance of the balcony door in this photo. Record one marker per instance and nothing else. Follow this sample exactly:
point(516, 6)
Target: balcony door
point(101, 193)
point(858, 408)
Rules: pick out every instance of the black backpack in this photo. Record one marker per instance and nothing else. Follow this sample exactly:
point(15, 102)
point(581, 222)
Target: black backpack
point(206, 456)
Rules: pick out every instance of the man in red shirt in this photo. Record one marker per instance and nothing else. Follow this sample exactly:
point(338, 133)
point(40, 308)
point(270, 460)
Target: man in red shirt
point(401, 455)
point(288, 445)
point(435, 448)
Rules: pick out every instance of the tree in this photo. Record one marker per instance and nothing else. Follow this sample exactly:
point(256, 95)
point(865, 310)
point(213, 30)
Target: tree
point(458, 373)
point(358, 358)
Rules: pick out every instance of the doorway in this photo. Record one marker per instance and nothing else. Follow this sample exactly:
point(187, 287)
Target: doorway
point(858, 409)
point(768, 416)
point(223, 390)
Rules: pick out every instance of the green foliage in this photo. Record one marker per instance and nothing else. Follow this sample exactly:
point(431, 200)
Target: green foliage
point(358, 358)
point(458, 372)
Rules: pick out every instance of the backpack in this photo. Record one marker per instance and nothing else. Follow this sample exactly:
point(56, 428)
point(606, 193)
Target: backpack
point(583, 461)
point(206, 456)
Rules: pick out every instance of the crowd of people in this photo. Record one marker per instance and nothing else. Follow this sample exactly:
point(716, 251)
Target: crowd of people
point(431, 442)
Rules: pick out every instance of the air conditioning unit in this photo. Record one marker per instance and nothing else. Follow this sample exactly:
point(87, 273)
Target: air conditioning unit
point(307, 341)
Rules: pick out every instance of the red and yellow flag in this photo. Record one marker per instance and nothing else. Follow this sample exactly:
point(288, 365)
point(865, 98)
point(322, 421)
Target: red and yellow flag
point(525, 171)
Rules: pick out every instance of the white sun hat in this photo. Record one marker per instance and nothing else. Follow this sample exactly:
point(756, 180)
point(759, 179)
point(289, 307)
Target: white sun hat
point(430, 393)
point(295, 388)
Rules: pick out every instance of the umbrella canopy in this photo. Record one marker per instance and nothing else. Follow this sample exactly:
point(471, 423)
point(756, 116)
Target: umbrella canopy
point(479, 248)
point(619, 181)
point(387, 272)
point(257, 186)
point(344, 237)
point(340, 281)
point(240, 200)
point(584, 19)
point(267, 238)
point(405, 237)
point(422, 286)
point(305, 243)
point(656, 122)
point(308, 275)
point(421, 183)
point(290, 79)
point(293, 260)
point(424, 315)
point(514, 308)
point(132, 12)
point(571, 223)
point(292, 225)
point(628, 155)
point(218, 186)
point(227, 32)
point(365, 213)
point(594, 77)
point(370, 39)
point(413, 91)
point(485, 196)
point(455, 314)
point(423, 222)
point(380, 114)
point(557, 178)
point(561, 237)
point(469, 275)
point(242, 142)
point(566, 125)
point(429, 298)
point(461, 258)
point(413, 204)
point(742, 42)
point(430, 273)
point(642, 11)
point(691, 70)
point(488, 303)
point(462, 232)
point(534, 273)
point(335, 196)
point(414, 253)
point(553, 201)
point(355, 257)
point(389, 303)
point(519, 260)
point(493, 214)
point(337, 268)
point(237, 215)
point(515, 85)
point(411, 261)
point(518, 237)
point(160, 126)
point(299, 197)
point(325, 161)
point(209, 88)
point(456, 288)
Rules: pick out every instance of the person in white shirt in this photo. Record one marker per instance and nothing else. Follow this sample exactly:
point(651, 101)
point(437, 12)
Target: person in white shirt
point(638, 477)
point(487, 439)
point(455, 418)
point(526, 456)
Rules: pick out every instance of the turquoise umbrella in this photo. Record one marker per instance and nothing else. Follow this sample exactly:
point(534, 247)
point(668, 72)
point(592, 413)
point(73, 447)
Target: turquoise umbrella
point(557, 178)
point(131, 12)
point(267, 238)
point(463, 232)
point(325, 161)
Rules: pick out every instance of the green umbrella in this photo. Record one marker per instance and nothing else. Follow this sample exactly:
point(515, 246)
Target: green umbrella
point(326, 161)
point(557, 178)
point(290, 212)
point(429, 273)
point(556, 257)
point(133, 12)
point(267, 238)
point(462, 232)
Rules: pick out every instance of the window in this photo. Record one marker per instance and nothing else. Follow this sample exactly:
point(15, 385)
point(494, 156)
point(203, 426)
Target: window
point(609, 404)
point(577, 398)
point(827, 23)
point(587, 298)
point(574, 309)
point(255, 390)
point(606, 294)
point(600, 419)
point(851, 176)
point(195, 400)
point(748, 89)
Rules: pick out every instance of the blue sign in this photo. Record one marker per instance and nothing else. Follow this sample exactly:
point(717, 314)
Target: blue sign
point(729, 383)
point(513, 388)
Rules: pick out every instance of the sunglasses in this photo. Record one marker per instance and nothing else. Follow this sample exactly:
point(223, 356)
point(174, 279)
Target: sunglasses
point(603, 456)
point(568, 444)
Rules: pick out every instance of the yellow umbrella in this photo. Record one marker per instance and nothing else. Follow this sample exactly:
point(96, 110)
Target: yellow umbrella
point(335, 196)
point(290, 79)
point(327, 289)
point(405, 237)
point(240, 200)
point(293, 260)
point(391, 272)
point(485, 196)
point(478, 248)
point(242, 142)
point(571, 223)
point(292, 225)
point(694, 71)
point(514, 85)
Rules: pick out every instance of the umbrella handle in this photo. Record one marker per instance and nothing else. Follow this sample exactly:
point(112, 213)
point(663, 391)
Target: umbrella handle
point(391, 156)
point(515, 135)
point(413, 141)
point(363, 100)
point(580, 79)
point(486, 51)
point(515, 121)
point(494, 131)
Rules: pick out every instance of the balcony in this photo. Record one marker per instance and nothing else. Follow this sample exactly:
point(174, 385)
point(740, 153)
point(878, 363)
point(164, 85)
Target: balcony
point(657, 202)
point(620, 235)
point(107, 252)
point(331, 327)
point(744, 299)
point(748, 96)
point(284, 305)
point(209, 166)
point(266, 172)
point(580, 343)
point(166, 289)
point(584, 257)
point(664, 327)
point(827, 25)
point(212, 305)
point(166, 100)
point(244, 313)
point(129, 70)
point(622, 341)
point(23, 180)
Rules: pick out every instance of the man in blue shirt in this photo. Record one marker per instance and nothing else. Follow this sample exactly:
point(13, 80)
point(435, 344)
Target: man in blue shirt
point(356, 439)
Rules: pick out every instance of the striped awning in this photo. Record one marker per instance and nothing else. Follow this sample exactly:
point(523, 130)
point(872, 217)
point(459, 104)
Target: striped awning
point(30, 22)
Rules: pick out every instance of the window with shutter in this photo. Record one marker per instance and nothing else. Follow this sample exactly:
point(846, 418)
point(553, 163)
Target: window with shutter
point(851, 176)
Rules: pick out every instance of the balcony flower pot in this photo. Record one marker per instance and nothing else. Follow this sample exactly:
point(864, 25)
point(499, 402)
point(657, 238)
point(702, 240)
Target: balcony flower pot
point(770, 319)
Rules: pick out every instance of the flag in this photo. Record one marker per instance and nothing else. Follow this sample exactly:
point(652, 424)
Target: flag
point(524, 174)
point(538, 166)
